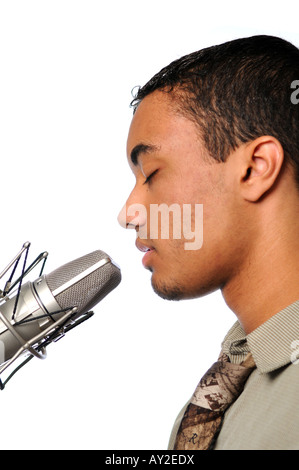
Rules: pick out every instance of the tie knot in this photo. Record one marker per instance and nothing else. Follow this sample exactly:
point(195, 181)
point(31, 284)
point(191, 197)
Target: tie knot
point(222, 384)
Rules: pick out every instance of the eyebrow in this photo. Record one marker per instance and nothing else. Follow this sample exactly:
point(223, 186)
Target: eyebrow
point(139, 149)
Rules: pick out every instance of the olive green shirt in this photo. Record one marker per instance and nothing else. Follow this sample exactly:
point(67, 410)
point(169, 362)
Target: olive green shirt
point(266, 414)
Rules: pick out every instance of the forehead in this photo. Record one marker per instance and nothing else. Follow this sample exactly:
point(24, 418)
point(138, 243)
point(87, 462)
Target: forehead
point(157, 123)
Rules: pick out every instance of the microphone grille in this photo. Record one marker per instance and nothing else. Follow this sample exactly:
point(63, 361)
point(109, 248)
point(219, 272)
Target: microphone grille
point(90, 290)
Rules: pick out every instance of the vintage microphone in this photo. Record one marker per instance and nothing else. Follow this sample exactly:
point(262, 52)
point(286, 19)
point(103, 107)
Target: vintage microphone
point(43, 311)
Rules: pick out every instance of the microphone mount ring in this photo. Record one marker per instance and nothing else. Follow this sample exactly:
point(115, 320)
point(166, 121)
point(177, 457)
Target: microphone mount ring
point(28, 345)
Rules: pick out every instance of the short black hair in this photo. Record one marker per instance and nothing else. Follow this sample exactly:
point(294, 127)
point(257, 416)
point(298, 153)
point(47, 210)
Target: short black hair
point(236, 92)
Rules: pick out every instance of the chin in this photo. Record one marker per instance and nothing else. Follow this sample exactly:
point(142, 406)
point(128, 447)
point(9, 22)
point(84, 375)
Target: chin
point(167, 291)
point(172, 290)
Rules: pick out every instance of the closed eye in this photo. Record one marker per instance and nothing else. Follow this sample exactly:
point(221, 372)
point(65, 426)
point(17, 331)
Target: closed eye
point(150, 177)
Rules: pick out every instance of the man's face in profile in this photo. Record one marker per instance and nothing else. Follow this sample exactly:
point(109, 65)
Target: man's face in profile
point(173, 168)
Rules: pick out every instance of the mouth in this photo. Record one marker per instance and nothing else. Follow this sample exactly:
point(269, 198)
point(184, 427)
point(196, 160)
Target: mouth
point(147, 249)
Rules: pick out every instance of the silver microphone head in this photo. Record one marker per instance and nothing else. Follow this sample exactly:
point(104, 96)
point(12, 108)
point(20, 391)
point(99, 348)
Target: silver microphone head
point(84, 282)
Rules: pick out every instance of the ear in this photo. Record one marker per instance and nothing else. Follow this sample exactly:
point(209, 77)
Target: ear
point(262, 162)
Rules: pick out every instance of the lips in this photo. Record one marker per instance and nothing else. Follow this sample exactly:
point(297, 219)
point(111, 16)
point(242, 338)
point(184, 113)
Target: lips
point(143, 246)
point(147, 249)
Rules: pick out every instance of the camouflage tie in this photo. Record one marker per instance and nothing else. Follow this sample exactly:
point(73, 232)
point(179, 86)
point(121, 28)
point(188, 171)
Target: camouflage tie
point(218, 389)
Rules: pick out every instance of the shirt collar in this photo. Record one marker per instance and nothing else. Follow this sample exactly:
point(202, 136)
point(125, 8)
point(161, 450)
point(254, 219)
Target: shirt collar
point(273, 344)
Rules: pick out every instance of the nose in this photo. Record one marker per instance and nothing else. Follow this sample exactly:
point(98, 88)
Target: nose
point(122, 217)
point(133, 215)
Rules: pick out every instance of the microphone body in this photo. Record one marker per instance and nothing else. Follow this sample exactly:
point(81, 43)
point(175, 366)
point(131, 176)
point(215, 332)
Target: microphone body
point(53, 304)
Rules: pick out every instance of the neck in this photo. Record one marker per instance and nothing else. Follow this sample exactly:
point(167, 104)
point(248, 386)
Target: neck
point(268, 279)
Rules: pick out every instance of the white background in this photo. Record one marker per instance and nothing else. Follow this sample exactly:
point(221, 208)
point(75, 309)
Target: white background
point(67, 69)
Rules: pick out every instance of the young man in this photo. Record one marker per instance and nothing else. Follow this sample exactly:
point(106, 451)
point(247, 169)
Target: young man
point(218, 129)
